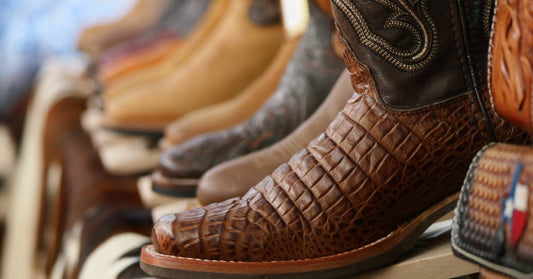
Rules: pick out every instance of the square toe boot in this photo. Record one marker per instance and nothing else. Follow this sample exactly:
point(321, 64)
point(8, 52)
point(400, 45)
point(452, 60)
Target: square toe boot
point(305, 84)
point(390, 164)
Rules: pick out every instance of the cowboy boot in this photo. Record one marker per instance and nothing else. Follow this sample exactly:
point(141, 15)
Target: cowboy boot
point(152, 47)
point(305, 84)
point(388, 166)
point(234, 111)
point(239, 174)
point(237, 52)
point(197, 37)
point(141, 17)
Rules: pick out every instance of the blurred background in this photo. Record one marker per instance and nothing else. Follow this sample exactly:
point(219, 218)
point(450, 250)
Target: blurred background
point(32, 32)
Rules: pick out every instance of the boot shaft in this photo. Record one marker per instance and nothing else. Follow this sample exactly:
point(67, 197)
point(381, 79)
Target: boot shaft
point(419, 52)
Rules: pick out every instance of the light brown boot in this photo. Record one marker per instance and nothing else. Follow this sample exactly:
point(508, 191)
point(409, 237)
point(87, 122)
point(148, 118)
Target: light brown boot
point(158, 71)
point(234, 111)
point(240, 174)
point(98, 38)
point(238, 51)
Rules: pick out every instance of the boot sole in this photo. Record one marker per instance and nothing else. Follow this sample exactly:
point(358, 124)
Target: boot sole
point(457, 251)
point(371, 256)
point(175, 187)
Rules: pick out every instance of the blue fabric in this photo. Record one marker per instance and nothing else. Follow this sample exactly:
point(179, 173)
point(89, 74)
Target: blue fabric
point(34, 30)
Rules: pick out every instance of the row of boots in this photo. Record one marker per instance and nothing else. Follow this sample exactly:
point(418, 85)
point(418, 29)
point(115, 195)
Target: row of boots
point(320, 153)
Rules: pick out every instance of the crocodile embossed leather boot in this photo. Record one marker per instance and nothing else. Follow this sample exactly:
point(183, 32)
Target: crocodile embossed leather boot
point(305, 84)
point(388, 166)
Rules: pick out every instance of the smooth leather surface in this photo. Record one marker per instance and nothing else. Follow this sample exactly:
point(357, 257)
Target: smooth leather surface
point(137, 59)
point(512, 62)
point(237, 53)
point(196, 38)
point(154, 45)
point(235, 177)
point(232, 112)
point(406, 46)
point(142, 16)
point(305, 84)
point(373, 169)
point(477, 224)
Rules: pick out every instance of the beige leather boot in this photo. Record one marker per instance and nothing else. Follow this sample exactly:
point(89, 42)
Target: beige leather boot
point(238, 51)
point(144, 14)
point(234, 111)
point(158, 71)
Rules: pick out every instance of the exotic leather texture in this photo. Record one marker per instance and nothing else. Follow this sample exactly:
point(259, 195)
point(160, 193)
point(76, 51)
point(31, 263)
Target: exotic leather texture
point(511, 65)
point(305, 84)
point(406, 45)
point(373, 169)
point(477, 224)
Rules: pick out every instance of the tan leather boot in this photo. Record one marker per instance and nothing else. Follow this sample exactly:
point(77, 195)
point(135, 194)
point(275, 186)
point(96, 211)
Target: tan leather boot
point(158, 71)
point(390, 164)
point(236, 110)
point(309, 77)
point(145, 13)
point(239, 50)
point(240, 174)
point(154, 45)
point(142, 58)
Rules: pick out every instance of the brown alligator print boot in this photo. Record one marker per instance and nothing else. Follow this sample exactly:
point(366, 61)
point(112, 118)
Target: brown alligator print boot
point(389, 165)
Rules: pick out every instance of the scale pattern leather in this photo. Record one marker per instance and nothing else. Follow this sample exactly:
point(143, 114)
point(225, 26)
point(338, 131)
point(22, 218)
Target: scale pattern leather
point(479, 211)
point(511, 76)
point(373, 169)
point(305, 84)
